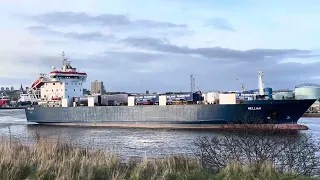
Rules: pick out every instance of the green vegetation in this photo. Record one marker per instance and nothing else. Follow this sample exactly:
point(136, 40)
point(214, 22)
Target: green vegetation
point(51, 160)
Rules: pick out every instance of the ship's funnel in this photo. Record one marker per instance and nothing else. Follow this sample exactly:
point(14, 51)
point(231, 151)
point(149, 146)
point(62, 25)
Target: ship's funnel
point(260, 82)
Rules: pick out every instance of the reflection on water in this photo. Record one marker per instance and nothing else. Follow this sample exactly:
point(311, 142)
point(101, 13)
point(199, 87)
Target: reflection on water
point(127, 142)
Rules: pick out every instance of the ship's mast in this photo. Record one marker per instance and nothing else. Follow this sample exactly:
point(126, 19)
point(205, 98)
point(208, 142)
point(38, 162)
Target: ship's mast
point(65, 63)
point(260, 82)
point(64, 59)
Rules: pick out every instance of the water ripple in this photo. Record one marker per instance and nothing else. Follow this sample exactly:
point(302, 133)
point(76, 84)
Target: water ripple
point(126, 142)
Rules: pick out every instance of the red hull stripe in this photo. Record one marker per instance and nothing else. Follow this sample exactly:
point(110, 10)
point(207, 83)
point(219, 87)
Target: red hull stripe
point(60, 72)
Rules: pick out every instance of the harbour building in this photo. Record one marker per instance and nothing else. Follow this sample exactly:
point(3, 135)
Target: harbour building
point(97, 87)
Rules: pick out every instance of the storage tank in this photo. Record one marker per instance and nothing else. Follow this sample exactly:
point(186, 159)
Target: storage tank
point(119, 98)
point(283, 95)
point(307, 91)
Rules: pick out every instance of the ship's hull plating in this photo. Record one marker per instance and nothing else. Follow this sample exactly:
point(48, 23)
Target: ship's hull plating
point(268, 111)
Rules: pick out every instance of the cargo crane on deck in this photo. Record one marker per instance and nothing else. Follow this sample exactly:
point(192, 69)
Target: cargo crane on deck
point(34, 90)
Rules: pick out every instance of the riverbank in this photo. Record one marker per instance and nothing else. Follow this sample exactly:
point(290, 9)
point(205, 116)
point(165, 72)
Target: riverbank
point(51, 160)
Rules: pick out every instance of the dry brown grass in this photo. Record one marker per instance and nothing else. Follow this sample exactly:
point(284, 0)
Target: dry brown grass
point(51, 160)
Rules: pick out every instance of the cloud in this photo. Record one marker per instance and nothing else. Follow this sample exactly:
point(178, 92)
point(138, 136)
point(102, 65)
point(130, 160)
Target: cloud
point(220, 24)
point(136, 71)
point(114, 23)
point(152, 71)
point(42, 30)
point(112, 20)
point(88, 36)
point(91, 36)
point(163, 45)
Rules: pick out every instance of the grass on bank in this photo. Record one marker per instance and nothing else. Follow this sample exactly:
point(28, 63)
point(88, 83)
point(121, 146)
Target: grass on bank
point(50, 160)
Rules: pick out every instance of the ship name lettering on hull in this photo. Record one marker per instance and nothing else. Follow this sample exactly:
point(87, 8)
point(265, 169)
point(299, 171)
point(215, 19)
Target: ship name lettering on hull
point(254, 108)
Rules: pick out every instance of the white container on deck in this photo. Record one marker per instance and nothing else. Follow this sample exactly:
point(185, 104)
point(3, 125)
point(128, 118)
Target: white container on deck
point(91, 101)
point(227, 98)
point(65, 102)
point(162, 100)
point(211, 97)
point(131, 101)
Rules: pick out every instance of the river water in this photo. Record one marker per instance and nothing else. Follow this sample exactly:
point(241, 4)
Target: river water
point(126, 142)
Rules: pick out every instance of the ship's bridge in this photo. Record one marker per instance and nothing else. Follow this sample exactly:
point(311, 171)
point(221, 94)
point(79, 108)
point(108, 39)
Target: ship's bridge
point(60, 75)
point(67, 72)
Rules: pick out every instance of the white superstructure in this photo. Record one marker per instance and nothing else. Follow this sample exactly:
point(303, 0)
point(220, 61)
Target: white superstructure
point(24, 98)
point(65, 83)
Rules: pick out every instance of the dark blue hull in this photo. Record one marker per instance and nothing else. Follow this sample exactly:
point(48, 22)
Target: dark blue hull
point(261, 111)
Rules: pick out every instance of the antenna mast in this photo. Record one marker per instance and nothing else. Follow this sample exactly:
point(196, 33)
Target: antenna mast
point(192, 83)
point(64, 59)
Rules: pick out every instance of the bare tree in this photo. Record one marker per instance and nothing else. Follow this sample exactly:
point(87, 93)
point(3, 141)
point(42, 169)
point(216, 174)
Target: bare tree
point(289, 151)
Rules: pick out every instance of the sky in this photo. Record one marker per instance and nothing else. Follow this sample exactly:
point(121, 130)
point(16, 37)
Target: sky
point(155, 45)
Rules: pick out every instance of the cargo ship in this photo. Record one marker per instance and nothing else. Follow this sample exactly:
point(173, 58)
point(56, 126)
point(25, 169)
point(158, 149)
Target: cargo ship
point(59, 100)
